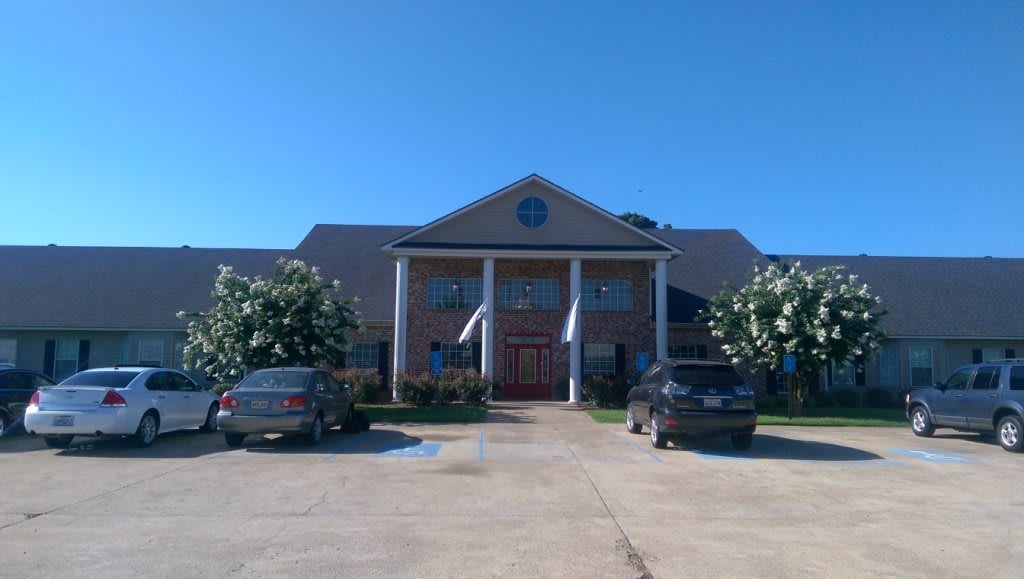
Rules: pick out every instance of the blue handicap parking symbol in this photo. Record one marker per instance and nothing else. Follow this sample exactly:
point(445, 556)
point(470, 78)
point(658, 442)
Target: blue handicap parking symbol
point(421, 450)
point(933, 456)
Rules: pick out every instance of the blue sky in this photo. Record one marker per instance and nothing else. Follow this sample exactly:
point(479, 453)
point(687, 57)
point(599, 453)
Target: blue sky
point(887, 128)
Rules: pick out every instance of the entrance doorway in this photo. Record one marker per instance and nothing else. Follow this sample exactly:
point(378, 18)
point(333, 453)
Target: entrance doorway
point(528, 367)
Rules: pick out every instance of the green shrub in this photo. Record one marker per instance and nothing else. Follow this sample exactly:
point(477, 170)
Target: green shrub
point(606, 391)
point(847, 398)
point(416, 389)
point(497, 390)
point(364, 384)
point(878, 398)
point(466, 386)
point(449, 386)
point(220, 389)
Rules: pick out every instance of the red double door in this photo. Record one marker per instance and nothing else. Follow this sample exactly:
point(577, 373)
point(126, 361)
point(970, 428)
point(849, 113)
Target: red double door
point(528, 367)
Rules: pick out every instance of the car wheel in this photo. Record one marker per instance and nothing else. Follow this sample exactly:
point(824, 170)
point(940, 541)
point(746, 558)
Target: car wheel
point(657, 440)
point(1010, 435)
point(234, 440)
point(58, 441)
point(148, 428)
point(349, 425)
point(742, 440)
point(316, 431)
point(211, 419)
point(631, 424)
point(920, 423)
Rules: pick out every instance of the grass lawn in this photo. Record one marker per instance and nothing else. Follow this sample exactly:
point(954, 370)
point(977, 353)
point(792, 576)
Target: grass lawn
point(811, 416)
point(435, 414)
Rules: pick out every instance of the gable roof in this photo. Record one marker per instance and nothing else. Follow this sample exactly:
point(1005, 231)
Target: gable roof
point(115, 287)
point(574, 227)
point(713, 258)
point(939, 296)
point(352, 255)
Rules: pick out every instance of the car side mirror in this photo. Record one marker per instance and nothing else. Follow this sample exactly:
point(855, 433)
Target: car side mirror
point(940, 386)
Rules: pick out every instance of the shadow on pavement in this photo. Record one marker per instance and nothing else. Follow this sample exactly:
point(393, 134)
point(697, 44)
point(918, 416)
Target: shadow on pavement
point(777, 448)
point(180, 444)
point(373, 441)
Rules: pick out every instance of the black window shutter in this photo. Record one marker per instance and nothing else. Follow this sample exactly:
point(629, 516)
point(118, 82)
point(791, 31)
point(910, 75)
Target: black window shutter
point(771, 382)
point(583, 356)
point(702, 352)
point(828, 374)
point(435, 346)
point(477, 357)
point(620, 359)
point(48, 354)
point(382, 363)
point(858, 371)
point(83, 355)
point(976, 356)
point(1010, 353)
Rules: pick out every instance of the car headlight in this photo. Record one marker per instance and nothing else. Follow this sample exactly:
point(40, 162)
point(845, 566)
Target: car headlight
point(677, 390)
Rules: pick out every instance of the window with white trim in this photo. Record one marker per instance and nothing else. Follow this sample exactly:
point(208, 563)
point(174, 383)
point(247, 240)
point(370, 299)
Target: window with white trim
point(598, 358)
point(65, 359)
point(688, 352)
point(454, 293)
point(921, 367)
point(364, 355)
point(989, 354)
point(9, 351)
point(843, 374)
point(528, 294)
point(456, 356)
point(608, 295)
point(151, 352)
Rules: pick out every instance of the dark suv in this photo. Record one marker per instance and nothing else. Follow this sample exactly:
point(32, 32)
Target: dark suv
point(678, 398)
point(16, 387)
point(986, 398)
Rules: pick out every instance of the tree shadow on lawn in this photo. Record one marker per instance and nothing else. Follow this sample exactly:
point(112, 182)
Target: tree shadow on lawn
point(777, 448)
point(373, 441)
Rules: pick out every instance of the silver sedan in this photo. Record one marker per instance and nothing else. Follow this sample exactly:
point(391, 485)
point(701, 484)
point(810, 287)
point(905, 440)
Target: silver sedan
point(303, 401)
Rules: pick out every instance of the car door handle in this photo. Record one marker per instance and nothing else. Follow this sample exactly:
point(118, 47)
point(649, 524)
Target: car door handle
point(993, 396)
point(161, 396)
point(958, 396)
point(187, 396)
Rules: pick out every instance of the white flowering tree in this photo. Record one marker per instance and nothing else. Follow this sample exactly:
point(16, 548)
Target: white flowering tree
point(290, 319)
point(820, 317)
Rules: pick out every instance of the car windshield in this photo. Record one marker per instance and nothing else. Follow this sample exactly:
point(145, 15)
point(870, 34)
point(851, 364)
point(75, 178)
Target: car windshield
point(711, 375)
point(277, 379)
point(105, 379)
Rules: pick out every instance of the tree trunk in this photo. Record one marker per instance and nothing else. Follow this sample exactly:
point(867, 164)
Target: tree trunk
point(796, 399)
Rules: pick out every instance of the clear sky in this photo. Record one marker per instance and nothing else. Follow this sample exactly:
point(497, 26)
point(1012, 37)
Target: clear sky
point(887, 128)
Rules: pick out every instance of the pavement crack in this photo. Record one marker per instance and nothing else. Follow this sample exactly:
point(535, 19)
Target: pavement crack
point(323, 498)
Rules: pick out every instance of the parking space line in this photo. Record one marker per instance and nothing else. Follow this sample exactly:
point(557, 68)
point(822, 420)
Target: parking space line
point(935, 456)
point(648, 452)
point(481, 447)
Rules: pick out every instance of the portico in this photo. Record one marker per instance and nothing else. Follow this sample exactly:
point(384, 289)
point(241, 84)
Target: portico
point(528, 251)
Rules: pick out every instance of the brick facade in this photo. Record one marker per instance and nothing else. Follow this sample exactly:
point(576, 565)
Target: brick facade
point(634, 328)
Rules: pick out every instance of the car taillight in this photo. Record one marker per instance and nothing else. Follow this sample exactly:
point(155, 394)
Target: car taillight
point(227, 401)
point(34, 401)
point(113, 400)
point(293, 402)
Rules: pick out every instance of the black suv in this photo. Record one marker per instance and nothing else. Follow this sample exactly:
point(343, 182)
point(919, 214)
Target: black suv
point(16, 387)
point(677, 398)
point(986, 398)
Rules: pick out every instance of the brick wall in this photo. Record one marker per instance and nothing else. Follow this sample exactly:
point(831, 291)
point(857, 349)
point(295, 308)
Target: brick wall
point(634, 328)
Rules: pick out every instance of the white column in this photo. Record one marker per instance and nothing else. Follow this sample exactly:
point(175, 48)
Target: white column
point(487, 331)
point(401, 308)
point(661, 307)
point(575, 360)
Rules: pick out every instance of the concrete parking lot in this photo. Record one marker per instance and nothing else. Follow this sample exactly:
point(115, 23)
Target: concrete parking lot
point(538, 490)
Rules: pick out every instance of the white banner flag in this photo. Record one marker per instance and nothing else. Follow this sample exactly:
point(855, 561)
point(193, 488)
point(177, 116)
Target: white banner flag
point(572, 322)
point(466, 333)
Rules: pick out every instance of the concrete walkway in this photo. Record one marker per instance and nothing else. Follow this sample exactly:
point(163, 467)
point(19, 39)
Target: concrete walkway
point(550, 414)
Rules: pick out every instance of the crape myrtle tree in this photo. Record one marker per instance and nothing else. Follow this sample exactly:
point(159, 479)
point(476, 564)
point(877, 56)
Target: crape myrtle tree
point(820, 317)
point(291, 319)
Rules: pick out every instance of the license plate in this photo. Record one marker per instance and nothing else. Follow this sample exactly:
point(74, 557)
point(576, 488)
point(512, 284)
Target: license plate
point(63, 420)
point(258, 404)
point(712, 403)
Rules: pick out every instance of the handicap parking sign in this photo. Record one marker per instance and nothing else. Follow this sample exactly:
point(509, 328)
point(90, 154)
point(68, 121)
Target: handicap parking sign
point(435, 363)
point(641, 361)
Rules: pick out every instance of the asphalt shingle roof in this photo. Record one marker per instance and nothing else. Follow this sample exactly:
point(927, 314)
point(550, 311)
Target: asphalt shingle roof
point(939, 296)
point(115, 287)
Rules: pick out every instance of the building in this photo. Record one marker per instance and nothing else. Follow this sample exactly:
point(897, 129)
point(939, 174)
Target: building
point(525, 249)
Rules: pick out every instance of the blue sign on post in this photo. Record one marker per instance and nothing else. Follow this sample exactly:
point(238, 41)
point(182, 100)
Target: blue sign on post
point(789, 363)
point(641, 361)
point(435, 363)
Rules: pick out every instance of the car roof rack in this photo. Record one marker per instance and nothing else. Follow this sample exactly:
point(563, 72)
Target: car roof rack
point(1007, 360)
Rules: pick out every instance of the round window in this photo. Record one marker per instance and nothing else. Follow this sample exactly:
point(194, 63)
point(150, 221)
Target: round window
point(532, 212)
